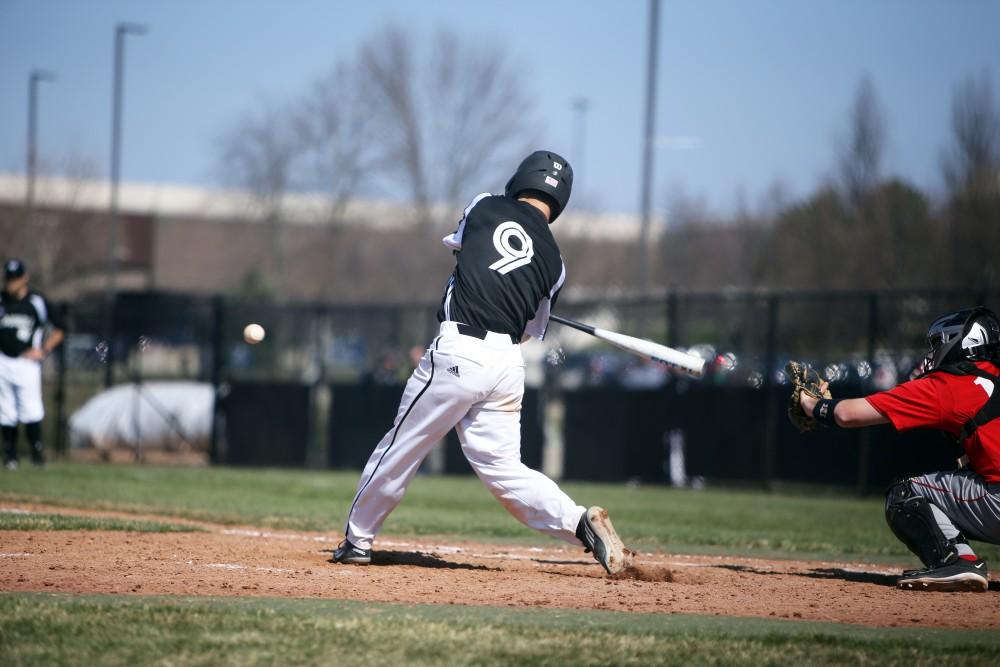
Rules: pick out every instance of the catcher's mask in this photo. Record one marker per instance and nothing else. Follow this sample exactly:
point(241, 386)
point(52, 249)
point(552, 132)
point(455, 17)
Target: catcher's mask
point(546, 174)
point(972, 334)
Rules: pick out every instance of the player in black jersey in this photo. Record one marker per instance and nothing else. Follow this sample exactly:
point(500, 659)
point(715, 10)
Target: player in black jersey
point(508, 273)
point(24, 317)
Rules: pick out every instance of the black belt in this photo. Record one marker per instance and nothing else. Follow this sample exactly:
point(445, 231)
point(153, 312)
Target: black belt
point(476, 332)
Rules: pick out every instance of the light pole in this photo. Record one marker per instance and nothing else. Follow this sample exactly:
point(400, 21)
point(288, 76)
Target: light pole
point(648, 138)
point(37, 76)
point(121, 30)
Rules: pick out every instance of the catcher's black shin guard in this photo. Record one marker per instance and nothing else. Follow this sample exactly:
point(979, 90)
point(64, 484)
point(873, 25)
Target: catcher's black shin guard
point(912, 521)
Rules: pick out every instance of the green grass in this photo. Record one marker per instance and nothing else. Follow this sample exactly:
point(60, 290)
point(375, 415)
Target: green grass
point(9, 521)
point(64, 629)
point(650, 518)
point(42, 629)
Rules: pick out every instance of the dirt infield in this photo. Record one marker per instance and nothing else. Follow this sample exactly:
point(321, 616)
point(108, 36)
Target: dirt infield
point(246, 561)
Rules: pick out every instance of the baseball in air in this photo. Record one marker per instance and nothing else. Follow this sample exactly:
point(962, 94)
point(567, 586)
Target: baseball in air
point(253, 333)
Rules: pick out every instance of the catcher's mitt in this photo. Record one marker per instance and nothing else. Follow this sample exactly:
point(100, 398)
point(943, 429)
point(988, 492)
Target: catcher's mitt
point(803, 379)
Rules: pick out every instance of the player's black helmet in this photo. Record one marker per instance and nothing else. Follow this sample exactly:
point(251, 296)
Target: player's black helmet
point(545, 173)
point(972, 334)
point(14, 268)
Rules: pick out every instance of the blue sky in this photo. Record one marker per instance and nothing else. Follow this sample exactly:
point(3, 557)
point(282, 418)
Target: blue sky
point(758, 90)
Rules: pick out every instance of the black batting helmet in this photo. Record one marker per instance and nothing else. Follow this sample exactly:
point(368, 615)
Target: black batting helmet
point(14, 268)
point(546, 173)
point(965, 335)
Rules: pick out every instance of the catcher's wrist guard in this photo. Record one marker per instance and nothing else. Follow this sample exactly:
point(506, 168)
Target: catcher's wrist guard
point(823, 411)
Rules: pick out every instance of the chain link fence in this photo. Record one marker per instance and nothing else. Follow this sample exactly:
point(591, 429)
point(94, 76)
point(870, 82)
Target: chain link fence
point(861, 341)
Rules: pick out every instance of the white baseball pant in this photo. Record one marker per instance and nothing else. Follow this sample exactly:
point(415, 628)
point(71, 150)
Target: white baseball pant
point(477, 386)
point(20, 391)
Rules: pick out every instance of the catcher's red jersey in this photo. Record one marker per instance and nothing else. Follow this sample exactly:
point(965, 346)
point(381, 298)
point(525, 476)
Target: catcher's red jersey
point(946, 402)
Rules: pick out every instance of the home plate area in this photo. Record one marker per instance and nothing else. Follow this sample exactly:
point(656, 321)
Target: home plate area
point(222, 560)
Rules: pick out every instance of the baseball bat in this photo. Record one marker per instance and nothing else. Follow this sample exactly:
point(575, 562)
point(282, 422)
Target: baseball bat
point(647, 349)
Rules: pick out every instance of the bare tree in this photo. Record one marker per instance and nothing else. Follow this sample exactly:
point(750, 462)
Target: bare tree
point(480, 110)
point(773, 200)
point(425, 120)
point(335, 136)
point(885, 231)
point(702, 250)
point(971, 169)
point(860, 155)
point(862, 233)
point(808, 246)
point(66, 241)
point(446, 117)
point(54, 236)
point(971, 164)
point(258, 153)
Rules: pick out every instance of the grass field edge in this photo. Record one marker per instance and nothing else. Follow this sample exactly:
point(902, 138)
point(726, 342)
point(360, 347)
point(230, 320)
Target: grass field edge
point(626, 622)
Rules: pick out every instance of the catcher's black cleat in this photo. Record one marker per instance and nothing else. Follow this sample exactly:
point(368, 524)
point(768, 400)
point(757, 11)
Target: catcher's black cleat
point(599, 536)
point(352, 555)
point(962, 575)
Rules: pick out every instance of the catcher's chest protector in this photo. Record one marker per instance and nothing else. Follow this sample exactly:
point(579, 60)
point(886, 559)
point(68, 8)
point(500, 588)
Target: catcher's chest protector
point(990, 409)
point(987, 413)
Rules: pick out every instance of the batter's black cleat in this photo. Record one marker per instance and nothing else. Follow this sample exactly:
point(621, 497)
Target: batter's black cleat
point(351, 555)
point(962, 575)
point(599, 536)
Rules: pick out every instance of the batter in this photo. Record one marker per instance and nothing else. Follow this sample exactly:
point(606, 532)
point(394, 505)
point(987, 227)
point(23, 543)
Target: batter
point(507, 277)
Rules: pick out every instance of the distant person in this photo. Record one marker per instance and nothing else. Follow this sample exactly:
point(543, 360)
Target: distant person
point(386, 369)
point(24, 317)
point(508, 274)
point(936, 514)
point(415, 355)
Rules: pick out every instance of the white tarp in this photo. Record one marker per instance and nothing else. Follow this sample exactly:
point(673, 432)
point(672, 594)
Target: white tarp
point(147, 415)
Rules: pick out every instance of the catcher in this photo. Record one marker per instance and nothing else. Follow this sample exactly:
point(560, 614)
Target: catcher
point(935, 514)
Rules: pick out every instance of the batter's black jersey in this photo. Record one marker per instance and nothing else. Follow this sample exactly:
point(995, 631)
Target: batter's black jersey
point(22, 322)
point(508, 271)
